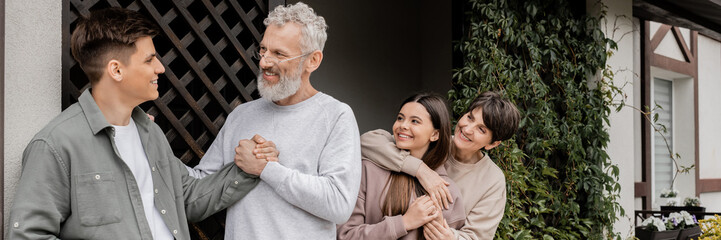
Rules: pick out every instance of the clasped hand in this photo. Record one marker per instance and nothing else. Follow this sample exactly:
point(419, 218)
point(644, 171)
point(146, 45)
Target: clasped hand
point(252, 155)
point(421, 211)
point(424, 211)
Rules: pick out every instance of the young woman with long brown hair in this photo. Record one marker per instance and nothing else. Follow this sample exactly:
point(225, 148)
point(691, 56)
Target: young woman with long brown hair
point(394, 205)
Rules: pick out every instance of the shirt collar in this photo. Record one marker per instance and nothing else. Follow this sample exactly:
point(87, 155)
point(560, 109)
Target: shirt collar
point(97, 120)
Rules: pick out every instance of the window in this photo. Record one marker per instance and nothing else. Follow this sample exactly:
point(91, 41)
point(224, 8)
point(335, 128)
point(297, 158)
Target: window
point(663, 168)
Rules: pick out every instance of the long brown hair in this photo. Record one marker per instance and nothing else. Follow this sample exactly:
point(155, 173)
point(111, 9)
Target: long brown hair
point(401, 186)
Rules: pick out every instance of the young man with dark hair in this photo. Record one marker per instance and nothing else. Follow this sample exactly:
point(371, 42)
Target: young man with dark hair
point(101, 169)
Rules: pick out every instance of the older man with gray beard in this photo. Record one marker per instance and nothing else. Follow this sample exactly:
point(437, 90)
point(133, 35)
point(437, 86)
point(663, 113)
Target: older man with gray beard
point(312, 185)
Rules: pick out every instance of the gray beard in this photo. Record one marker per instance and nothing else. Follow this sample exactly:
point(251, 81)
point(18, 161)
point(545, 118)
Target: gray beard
point(284, 88)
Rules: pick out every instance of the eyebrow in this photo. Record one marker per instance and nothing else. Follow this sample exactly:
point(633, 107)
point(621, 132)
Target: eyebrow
point(151, 55)
point(275, 50)
point(280, 51)
point(416, 117)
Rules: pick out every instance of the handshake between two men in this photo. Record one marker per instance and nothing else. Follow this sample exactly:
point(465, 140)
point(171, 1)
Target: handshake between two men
point(251, 155)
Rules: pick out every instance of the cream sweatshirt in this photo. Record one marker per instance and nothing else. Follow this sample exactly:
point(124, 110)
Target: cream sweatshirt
point(482, 184)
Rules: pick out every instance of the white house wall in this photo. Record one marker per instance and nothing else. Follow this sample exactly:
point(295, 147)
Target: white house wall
point(686, 33)
point(684, 138)
point(709, 96)
point(668, 47)
point(712, 201)
point(621, 129)
point(652, 28)
point(32, 79)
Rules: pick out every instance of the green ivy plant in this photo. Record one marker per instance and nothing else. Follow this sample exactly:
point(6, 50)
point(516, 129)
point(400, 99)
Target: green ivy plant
point(544, 55)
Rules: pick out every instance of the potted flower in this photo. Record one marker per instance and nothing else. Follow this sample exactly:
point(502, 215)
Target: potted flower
point(690, 204)
point(693, 204)
point(687, 223)
point(654, 228)
point(671, 196)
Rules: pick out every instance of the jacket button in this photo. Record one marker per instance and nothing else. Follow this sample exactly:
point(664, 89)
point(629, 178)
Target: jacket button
point(97, 177)
point(153, 169)
point(162, 211)
point(16, 224)
point(156, 190)
point(175, 231)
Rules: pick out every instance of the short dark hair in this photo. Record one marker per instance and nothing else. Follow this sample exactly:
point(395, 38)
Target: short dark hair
point(105, 35)
point(499, 115)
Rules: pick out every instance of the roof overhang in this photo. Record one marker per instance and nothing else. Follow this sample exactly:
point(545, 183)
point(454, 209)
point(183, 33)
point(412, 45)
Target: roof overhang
point(703, 16)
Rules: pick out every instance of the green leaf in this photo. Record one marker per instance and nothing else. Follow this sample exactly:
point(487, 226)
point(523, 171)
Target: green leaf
point(547, 171)
point(543, 56)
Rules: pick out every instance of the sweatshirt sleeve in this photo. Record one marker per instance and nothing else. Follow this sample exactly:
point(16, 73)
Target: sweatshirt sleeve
point(332, 193)
point(379, 146)
point(486, 214)
point(391, 227)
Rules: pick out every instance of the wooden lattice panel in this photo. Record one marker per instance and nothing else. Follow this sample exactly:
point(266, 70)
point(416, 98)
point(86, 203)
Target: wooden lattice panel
point(205, 46)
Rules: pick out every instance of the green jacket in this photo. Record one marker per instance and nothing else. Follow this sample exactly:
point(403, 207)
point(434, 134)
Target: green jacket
point(74, 185)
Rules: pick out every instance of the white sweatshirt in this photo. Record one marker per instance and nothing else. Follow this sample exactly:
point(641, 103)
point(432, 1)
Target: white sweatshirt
point(314, 185)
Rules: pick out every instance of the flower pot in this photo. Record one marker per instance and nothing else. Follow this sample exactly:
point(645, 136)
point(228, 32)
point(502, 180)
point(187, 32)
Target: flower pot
point(691, 210)
point(689, 233)
point(665, 201)
point(643, 234)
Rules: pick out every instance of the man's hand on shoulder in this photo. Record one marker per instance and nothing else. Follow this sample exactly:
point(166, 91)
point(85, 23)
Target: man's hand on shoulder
point(246, 160)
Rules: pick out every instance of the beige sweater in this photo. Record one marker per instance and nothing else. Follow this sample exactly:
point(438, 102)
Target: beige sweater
point(367, 220)
point(482, 184)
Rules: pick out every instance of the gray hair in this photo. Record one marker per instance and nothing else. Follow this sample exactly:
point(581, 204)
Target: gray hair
point(313, 27)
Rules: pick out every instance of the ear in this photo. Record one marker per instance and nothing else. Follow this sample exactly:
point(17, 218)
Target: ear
point(113, 70)
point(314, 60)
point(434, 136)
point(492, 145)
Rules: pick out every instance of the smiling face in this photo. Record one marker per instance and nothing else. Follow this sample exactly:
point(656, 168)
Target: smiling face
point(471, 133)
point(139, 76)
point(413, 129)
point(279, 80)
